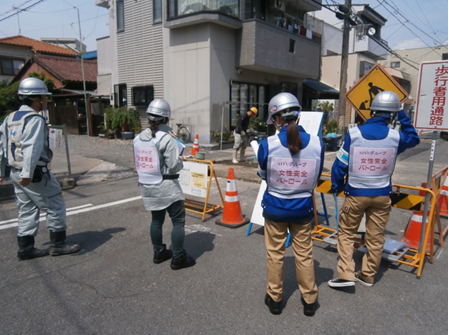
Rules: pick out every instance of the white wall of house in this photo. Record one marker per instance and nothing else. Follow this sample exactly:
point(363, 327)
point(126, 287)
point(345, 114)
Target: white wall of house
point(16, 53)
point(332, 40)
point(188, 55)
point(106, 62)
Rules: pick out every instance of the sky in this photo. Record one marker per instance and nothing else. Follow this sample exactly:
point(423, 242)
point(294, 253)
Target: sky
point(54, 18)
point(411, 23)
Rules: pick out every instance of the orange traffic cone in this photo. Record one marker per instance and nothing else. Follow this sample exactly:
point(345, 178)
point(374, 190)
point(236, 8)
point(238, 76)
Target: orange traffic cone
point(442, 199)
point(196, 147)
point(232, 213)
point(412, 233)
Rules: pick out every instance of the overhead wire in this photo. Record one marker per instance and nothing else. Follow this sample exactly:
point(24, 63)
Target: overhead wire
point(19, 10)
point(385, 2)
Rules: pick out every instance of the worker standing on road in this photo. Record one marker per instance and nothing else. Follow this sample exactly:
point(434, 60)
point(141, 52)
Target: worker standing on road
point(367, 159)
point(158, 162)
point(24, 147)
point(241, 140)
point(291, 163)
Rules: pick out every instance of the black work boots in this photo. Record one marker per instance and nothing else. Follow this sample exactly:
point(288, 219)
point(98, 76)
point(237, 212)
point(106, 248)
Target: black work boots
point(182, 261)
point(59, 246)
point(27, 249)
point(162, 255)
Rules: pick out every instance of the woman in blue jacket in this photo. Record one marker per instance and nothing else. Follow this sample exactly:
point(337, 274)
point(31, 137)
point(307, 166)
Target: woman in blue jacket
point(291, 163)
point(363, 168)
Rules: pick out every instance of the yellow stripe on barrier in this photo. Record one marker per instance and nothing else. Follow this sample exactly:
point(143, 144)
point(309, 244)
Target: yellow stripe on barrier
point(399, 200)
point(407, 201)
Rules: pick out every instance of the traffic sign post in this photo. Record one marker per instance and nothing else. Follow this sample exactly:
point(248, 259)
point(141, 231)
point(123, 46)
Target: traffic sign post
point(431, 113)
point(376, 80)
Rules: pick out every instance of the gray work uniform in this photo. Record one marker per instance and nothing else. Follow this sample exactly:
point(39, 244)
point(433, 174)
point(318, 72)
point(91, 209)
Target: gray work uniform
point(45, 194)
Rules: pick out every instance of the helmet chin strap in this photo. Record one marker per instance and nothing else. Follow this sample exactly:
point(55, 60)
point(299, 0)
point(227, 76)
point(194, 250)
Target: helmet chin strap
point(277, 125)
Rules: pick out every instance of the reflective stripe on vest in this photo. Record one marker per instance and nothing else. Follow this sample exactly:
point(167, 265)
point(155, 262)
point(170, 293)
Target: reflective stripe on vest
point(15, 132)
point(371, 162)
point(146, 156)
point(292, 177)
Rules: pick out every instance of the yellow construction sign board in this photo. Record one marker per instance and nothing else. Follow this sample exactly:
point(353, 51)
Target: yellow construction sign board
point(376, 80)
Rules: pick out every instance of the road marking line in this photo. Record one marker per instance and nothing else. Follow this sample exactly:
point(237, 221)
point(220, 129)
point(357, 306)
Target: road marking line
point(77, 210)
point(439, 253)
point(198, 228)
point(43, 214)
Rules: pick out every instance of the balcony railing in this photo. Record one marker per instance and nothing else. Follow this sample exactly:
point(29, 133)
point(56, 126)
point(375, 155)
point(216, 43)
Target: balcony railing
point(177, 8)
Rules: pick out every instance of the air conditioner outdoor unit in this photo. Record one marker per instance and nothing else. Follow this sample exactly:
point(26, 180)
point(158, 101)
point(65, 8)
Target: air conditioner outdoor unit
point(278, 4)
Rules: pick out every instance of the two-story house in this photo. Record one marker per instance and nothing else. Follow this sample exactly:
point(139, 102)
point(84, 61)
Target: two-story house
point(210, 59)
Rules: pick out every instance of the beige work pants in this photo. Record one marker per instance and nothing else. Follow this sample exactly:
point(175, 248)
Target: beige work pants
point(275, 238)
point(377, 211)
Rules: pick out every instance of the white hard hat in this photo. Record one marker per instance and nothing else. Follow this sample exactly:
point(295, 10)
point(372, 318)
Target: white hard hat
point(159, 108)
point(33, 86)
point(284, 103)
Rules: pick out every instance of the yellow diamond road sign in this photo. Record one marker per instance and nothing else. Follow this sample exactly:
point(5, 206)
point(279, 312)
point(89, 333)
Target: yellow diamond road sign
point(376, 80)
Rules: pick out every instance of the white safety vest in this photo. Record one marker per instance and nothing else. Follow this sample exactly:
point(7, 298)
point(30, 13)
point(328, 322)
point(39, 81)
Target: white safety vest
point(15, 132)
point(292, 177)
point(146, 156)
point(371, 162)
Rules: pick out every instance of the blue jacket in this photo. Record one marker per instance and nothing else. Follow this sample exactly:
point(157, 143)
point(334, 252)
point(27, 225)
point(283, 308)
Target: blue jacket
point(286, 210)
point(374, 129)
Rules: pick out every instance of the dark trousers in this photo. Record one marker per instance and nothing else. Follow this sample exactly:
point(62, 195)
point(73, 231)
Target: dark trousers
point(177, 213)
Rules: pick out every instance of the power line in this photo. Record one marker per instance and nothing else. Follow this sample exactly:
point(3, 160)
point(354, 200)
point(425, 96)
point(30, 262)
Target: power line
point(19, 10)
point(383, 2)
point(15, 7)
point(386, 47)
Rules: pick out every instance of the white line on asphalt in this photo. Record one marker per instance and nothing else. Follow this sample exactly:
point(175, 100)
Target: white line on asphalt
point(43, 214)
point(199, 228)
point(79, 210)
point(439, 253)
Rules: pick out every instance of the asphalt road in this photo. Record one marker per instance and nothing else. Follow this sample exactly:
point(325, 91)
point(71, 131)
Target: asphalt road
point(112, 286)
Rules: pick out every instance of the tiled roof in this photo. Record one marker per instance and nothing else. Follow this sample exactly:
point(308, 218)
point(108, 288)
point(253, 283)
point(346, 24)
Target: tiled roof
point(36, 45)
point(68, 68)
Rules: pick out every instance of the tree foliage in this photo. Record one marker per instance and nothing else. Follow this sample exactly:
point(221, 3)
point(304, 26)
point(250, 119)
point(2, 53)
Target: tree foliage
point(9, 100)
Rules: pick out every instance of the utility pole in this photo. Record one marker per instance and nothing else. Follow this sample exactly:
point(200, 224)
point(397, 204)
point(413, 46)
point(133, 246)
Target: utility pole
point(82, 71)
point(344, 69)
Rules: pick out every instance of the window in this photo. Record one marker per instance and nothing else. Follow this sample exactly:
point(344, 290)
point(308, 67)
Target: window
point(10, 66)
point(365, 67)
point(120, 16)
point(243, 97)
point(255, 9)
point(120, 95)
point(185, 7)
point(157, 11)
point(444, 56)
point(291, 47)
point(395, 64)
point(143, 95)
